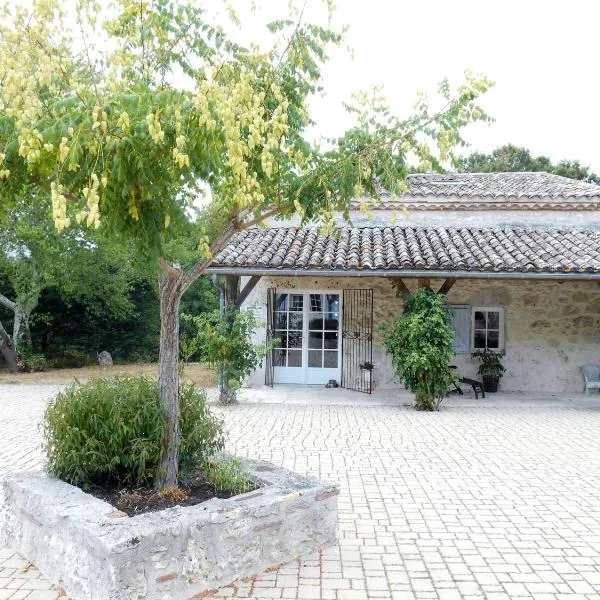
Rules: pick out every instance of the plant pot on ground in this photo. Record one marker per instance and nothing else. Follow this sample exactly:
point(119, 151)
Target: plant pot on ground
point(366, 369)
point(490, 368)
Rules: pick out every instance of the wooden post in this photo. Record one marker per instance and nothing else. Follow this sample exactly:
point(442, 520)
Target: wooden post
point(229, 291)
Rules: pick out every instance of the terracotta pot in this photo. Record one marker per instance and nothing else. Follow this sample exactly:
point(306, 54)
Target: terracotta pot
point(490, 383)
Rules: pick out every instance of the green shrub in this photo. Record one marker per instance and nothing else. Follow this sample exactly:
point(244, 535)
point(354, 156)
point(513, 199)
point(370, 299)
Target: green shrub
point(71, 358)
point(37, 363)
point(113, 429)
point(230, 475)
point(30, 361)
point(225, 340)
point(490, 362)
point(421, 343)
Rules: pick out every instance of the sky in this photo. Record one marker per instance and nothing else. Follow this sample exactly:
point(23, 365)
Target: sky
point(543, 57)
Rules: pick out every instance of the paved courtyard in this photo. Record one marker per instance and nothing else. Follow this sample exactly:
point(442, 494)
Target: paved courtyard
point(496, 499)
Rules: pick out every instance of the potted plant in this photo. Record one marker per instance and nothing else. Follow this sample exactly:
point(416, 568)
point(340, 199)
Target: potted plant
point(367, 368)
point(490, 368)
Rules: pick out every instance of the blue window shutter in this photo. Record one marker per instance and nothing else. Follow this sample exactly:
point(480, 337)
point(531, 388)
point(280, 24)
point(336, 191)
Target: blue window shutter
point(460, 321)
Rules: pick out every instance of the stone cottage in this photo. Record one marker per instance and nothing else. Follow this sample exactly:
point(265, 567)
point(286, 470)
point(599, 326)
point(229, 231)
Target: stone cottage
point(517, 254)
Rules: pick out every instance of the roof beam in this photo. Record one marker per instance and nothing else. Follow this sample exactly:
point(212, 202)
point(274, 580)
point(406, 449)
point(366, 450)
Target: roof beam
point(246, 290)
point(424, 283)
point(447, 285)
point(400, 286)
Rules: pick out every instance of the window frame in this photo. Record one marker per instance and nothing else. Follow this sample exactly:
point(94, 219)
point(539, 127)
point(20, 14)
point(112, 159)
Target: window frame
point(501, 338)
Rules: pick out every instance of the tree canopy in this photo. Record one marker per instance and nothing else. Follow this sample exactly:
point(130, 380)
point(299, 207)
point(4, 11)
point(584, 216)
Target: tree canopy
point(516, 158)
point(165, 104)
point(114, 135)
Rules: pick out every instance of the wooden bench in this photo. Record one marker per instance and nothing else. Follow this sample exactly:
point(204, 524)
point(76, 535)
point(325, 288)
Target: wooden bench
point(476, 385)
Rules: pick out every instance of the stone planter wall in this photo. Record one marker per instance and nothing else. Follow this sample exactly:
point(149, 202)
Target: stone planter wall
point(95, 552)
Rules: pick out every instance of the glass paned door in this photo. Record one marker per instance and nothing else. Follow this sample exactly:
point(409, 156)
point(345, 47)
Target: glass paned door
point(288, 335)
point(323, 337)
point(307, 337)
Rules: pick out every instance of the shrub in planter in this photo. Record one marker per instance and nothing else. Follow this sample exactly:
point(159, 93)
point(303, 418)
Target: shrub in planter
point(421, 343)
point(229, 474)
point(112, 429)
point(490, 368)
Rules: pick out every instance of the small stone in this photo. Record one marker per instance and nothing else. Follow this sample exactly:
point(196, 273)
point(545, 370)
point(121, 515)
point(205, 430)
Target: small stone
point(116, 514)
point(166, 577)
point(105, 359)
point(584, 322)
point(569, 310)
point(325, 495)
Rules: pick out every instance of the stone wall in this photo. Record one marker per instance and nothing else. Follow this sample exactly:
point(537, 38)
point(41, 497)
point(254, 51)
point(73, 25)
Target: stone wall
point(551, 328)
point(95, 552)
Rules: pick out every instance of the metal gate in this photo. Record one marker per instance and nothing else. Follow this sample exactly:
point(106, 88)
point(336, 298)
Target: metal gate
point(269, 357)
point(357, 340)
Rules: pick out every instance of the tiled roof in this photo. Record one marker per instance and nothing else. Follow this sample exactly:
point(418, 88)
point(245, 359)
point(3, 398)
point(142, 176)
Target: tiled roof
point(505, 185)
point(408, 249)
point(501, 191)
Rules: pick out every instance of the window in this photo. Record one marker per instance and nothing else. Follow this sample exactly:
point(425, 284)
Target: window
point(476, 328)
point(459, 317)
point(487, 328)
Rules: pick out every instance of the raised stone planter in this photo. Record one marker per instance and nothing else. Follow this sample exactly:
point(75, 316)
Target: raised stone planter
point(93, 551)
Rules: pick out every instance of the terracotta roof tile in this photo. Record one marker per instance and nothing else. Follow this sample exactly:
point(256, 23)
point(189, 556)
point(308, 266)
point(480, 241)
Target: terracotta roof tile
point(415, 248)
point(500, 185)
point(484, 191)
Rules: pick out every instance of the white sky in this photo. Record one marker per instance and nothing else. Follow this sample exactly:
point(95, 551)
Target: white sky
point(543, 57)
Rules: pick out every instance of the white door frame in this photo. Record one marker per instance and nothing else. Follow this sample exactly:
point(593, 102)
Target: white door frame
point(309, 375)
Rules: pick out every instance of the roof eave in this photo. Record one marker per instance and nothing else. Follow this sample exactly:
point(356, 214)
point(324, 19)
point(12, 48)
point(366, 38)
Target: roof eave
point(424, 273)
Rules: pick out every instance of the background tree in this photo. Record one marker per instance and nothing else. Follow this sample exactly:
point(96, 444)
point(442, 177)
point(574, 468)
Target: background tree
point(164, 105)
point(516, 158)
point(83, 265)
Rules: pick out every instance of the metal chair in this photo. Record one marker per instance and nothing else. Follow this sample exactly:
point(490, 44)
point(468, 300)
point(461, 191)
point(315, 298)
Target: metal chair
point(591, 376)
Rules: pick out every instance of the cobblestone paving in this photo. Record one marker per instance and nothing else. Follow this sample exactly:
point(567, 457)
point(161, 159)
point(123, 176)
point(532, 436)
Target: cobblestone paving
point(491, 500)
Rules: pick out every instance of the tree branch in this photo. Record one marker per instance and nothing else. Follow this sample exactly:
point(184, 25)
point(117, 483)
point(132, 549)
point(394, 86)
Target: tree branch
point(259, 219)
point(200, 267)
point(4, 301)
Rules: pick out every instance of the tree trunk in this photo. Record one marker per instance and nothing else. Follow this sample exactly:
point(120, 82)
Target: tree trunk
point(26, 328)
point(8, 351)
point(18, 321)
point(171, 290)
point(173, 283)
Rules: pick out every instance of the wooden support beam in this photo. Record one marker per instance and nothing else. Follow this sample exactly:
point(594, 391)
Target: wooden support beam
point(424, 283)
point(400, 286)
point(447, 285)
point(245, 291)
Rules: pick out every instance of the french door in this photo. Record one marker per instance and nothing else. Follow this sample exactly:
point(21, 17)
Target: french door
point(306, 332)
